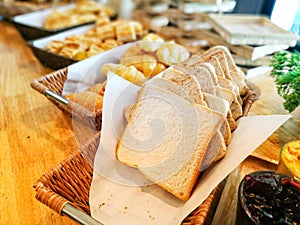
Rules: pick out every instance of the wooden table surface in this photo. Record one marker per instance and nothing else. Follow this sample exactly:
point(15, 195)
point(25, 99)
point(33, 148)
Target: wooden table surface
point(35, 136)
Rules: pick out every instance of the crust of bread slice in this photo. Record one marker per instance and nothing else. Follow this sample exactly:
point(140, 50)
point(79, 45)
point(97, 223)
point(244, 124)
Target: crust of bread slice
point(237, 77)
point(202, 76)
point(174, 88)
point(222, 106)
point(211, 157)
point(187, 82)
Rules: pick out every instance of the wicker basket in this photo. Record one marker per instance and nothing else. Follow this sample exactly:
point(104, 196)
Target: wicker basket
point(51, 85)
point(65, 188)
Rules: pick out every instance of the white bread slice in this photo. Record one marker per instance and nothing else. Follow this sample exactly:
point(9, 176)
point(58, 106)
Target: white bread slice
point(211, 71)
point(127, 111)
point(167, 85)
point(221, 92)
point(219, 105)
point(153, 122)
point(212, 156)
point(229, 96)
point(216, 149)
point(237, 77)
point(213, 102)
point(216, 64)
point(170, 154)
point(193, 60)
point(174, 88)
point(224, 67)
point(187, 82)
point(236, 108)
point(220, 60)
point(202, 76)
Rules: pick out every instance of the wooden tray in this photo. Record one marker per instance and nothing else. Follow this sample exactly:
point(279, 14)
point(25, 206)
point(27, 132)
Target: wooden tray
point(251, 52)
point(250, 30)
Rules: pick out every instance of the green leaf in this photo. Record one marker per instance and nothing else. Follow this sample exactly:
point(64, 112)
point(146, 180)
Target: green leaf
point(286, 71)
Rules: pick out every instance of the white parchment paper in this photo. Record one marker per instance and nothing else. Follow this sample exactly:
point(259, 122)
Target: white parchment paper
point(121, 195)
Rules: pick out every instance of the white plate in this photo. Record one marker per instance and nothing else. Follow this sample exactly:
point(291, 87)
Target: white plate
point(36, 19)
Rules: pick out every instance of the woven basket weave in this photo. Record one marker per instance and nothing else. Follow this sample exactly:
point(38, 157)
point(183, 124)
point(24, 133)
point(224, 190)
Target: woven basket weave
point(70, 182)
point(55, 83)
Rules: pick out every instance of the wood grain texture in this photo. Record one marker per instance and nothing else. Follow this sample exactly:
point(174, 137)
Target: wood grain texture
point(266, 156)
point(226, 211)
point(34, 135)
point(271, 103)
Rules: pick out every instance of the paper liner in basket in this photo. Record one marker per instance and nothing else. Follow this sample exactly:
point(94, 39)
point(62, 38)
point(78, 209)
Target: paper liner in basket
point(121, 195)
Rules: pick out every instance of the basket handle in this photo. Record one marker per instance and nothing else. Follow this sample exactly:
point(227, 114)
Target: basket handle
point(79, 216)
point(36, 84)
point(56, 97)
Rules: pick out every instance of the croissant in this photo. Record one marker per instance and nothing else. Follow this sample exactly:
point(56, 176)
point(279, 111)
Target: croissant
point(144, 63)
point(129, 73)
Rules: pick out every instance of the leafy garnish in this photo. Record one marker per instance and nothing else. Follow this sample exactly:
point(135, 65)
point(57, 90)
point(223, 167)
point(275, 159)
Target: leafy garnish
point(286, 71)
